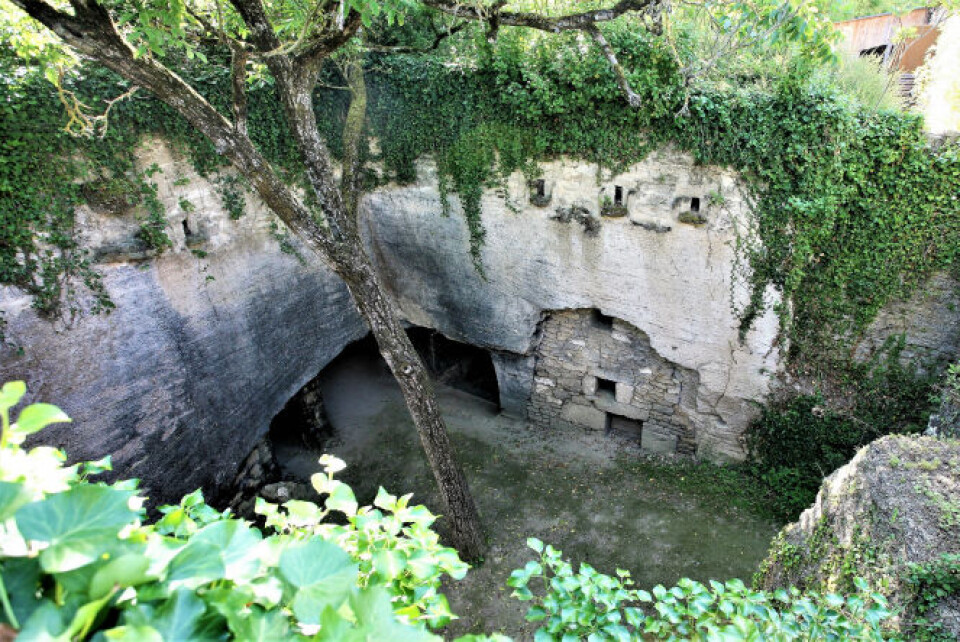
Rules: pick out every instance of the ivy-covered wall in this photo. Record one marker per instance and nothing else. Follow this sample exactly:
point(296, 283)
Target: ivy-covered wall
point(852, 208)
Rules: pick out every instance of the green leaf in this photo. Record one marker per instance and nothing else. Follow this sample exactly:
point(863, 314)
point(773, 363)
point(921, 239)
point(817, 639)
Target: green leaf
point(261, 626)
point(12, 497)
point(180, 618)
point(126, 570)
point(307, 563)
point(75, 523)
point(139, 633)
point(11, 393)
point(341, 498)
point(322, 574)
point(38, 416)
point(237, 546)
point(197, 564)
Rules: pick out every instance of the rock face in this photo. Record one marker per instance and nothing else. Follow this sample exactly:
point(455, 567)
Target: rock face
point(212, 338)
point(669, 280)
point(930, 321)
point(946, 421)
point(180, 382)
point(895, 504)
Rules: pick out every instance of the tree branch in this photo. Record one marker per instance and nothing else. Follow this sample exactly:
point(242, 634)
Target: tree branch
point(535, 20)
point(93, 34)
point(238, 86)
point(632, 97)
point(440, 37)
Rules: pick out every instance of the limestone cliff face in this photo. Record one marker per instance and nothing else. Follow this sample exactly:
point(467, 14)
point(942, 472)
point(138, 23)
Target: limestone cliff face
point(896, 503)
point(211, 339)
point(182, 379)
point(669, 279)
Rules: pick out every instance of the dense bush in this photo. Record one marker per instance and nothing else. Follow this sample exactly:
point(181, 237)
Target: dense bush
point(78, 562)
point(795, 443)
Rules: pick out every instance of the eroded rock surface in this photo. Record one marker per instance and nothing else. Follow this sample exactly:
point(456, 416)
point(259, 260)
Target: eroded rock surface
point(181, 381)
point(896, 503)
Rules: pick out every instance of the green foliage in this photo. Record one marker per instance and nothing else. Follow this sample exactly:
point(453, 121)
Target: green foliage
point(586, 604)
point(231, 195)
point(795, 443)
point(853, 208)
point(77, 561)
point(930, 583)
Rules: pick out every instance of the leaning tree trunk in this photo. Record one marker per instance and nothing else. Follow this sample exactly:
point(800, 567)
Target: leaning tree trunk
point(408, 368)
point(351, 263)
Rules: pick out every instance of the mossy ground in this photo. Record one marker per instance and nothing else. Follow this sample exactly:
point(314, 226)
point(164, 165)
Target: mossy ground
point(597, 499)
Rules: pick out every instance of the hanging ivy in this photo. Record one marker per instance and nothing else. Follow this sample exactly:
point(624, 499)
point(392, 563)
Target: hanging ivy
point(853, 208)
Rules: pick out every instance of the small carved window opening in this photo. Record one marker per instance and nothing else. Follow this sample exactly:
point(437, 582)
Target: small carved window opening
point(540, 187)
point(617, 195)
point(606, 386)
point(694, 204)
point(186, 228)
point(602, 320)
point(624, 427)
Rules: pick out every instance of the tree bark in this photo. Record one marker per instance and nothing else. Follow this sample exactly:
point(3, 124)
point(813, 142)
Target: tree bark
point(92, 33)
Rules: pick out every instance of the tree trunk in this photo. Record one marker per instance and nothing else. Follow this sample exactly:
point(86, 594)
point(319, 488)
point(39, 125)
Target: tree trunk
point(418, 393)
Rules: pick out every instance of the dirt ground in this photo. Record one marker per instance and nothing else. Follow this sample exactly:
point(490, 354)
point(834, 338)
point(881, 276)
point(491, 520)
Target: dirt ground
point(595, 498)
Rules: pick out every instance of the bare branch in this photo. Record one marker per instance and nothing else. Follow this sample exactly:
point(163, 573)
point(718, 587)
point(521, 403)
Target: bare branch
point(535, 20)
point(238, 86)
point(440, 37)
point(632, 97)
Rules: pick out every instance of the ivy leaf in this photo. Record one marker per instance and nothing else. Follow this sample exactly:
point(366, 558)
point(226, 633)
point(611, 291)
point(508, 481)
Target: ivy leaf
point(12, 497)
point(237, 545)
point(75, 523)
point(322, 574)
point(36, 417)
point(197, 564)
point(261, 626)
point(11, 393)
point(126, 570)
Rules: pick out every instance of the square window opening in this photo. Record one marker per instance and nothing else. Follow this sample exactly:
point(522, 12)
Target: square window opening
point(602, 320)
point(540, 187)
point(606, 386)
point(624, 427)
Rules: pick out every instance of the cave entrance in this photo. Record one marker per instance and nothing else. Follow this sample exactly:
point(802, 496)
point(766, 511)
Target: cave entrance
point(458, 365)
point(303, 420)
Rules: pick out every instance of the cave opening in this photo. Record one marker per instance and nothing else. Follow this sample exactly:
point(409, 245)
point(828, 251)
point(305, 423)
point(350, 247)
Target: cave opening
point(304, 423)
point(455, 364)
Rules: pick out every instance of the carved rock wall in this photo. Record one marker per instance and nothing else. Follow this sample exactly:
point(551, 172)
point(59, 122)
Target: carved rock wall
point(668, 279)
point(181, 381)
point(593, 371)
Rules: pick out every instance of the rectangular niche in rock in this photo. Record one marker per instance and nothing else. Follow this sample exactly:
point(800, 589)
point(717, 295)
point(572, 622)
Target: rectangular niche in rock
point(606, 387)
point(614, 208)
point(601, 320)
point(538, 192)
point(624, 427)
point(695, 204)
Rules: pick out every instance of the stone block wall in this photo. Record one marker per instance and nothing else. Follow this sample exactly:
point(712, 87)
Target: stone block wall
point(593, 371)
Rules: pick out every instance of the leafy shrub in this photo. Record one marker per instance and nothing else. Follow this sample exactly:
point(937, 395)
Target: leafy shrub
point(78, 561)
point(930, 583)
point(796, 443)
point(590, 605)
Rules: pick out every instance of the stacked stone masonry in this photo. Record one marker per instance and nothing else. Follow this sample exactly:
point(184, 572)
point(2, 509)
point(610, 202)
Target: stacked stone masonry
point(592, 371)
